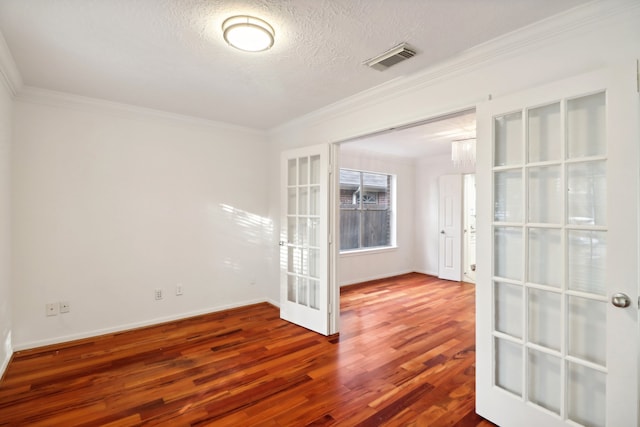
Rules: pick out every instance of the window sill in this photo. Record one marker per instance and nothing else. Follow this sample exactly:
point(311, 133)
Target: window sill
point(368, 251)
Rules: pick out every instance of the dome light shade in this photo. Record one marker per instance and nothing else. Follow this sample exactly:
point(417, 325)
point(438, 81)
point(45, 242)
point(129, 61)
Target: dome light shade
point(248, 33)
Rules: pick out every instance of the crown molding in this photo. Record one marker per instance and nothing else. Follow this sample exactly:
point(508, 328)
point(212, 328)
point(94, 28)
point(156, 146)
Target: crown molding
point(9, 73)
point(544, 32)
point(57, 99)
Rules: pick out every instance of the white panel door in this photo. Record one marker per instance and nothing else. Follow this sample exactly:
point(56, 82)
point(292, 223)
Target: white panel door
point(450, 220)
point(304, 278)
point(557, 180)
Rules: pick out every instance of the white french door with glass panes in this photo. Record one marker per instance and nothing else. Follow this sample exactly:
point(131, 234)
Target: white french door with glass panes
point(304, 289)
point(557, 180)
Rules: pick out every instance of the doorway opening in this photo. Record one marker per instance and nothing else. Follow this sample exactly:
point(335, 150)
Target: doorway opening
point(415, 156)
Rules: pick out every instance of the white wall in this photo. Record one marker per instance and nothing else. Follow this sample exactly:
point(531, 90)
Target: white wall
point(598, 35)
point(363, 266)
point(110, 204)
point(427, 230)
point(6, 124)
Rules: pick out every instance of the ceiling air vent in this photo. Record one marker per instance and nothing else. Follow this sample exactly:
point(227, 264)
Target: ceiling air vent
point(391, 57)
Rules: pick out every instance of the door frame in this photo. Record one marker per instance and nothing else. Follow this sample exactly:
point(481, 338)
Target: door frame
point(334, 237)
point(334, 205)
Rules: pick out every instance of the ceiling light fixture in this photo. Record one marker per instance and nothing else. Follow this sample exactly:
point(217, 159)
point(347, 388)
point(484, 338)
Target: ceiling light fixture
point(248, 33)
point(463, 152)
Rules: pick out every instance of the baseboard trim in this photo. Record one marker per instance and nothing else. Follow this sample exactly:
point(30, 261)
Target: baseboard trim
point(428, 273)
point(272, 302)
point(135, 325)
point(376, 277)
point(5, 364)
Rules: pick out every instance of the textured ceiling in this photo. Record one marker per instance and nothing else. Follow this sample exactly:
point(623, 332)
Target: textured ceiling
point(430, 139)
point(169, 54)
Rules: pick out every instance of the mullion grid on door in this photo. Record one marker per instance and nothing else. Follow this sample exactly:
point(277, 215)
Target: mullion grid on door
point(292, 240)
point(307, 222)
point(582, 362)
point(540, 227)
point(582, 382)
point(313, 224)
point(565, 359)
point(525, 226)
point(505, 222)
point(303, 214)
point(295, 242)
point(564, 402)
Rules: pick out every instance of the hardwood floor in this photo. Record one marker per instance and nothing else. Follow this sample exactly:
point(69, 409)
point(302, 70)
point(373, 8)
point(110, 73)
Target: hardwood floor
point(405, 357)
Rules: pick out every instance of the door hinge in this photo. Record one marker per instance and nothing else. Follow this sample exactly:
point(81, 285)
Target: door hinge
point(329, 308)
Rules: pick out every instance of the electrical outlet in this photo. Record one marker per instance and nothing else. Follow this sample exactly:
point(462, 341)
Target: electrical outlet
point(65, 307)
point(179, 289)
point(52, 309)
point(158, 294)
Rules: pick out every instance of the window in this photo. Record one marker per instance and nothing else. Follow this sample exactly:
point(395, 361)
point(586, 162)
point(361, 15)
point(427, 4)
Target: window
point(366, 219)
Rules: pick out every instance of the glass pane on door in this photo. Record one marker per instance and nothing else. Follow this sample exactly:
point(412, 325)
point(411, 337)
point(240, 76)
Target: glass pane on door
point(587, 192)
point(303, 172)
point(545, 195)
point(587, 259)
point(508, 140)
point(508, 309)
point(292, 288)
point(314, 172)
point(544, 138)
point(587, 392)
point(544, 378)
point(509, 366)
point(587, 333)
point(292, 204)
point(508, 252)
point(508, 196)
point(586, 130)
point(545, 311)
point(545, 256)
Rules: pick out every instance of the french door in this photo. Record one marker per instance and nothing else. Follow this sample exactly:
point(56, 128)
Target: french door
point(304, 279)
point(557, 290)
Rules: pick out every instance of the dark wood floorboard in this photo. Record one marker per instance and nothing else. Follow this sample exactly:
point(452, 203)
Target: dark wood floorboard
point(405, 357)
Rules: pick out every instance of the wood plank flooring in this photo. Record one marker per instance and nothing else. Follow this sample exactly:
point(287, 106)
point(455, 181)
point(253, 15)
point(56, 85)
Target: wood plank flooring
point(405, 357)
